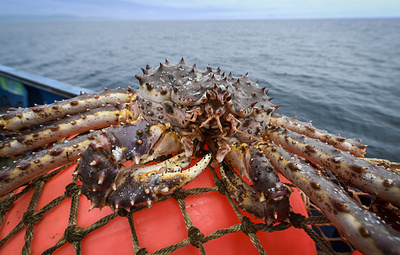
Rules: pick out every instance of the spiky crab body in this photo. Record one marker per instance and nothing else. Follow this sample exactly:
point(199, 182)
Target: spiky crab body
point(180, 114)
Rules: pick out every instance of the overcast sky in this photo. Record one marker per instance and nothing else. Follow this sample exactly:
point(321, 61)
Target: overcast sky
point(202, 9)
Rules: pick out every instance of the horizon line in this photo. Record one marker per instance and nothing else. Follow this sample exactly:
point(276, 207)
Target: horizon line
point(14, 17)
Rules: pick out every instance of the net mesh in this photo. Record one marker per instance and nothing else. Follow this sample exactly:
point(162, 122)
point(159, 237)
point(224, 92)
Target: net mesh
point(313, 225)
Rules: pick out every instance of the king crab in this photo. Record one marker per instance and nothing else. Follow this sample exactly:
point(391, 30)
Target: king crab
point(180, 114)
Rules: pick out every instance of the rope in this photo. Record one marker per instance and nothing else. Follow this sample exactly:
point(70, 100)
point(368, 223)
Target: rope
point(75, 234)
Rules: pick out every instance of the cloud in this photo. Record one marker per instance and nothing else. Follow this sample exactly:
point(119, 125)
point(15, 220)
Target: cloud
point(196, 4)
point(203, 9)
point(278, 9)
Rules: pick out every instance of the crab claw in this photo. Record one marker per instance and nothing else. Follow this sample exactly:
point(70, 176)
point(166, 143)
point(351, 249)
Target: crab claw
point(141, 142)
point(267, 198)
point(269, 210)
point(147, 184)
point(144, 184)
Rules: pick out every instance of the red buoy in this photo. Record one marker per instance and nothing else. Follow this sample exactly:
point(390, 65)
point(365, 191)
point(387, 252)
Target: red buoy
point(156, 227)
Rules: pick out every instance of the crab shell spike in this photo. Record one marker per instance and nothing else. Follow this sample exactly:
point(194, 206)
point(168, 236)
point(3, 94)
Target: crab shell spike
point(140, 79)
point(144, 72)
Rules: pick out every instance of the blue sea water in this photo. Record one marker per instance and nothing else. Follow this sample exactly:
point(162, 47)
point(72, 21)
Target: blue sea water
point(344, 75)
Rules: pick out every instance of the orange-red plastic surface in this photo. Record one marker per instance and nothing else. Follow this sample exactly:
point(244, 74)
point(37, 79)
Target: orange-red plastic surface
point(157, 227)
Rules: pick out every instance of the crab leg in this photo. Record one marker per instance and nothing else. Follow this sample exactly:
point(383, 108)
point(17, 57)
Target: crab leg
point(16, 119)
point(28, 168)
point(271, 193)
point(362, 228)
point(353, 146)
point(80, 123)
point(151, 141)
point(375, 180)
